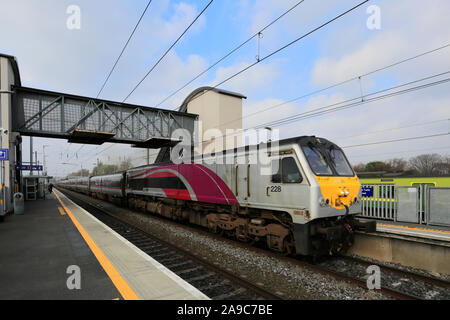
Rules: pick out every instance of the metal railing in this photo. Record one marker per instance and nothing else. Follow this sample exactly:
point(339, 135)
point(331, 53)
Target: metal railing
point(379, 201)
point(422, 204)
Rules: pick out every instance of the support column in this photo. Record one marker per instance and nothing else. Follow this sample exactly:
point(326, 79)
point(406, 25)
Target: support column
point(9, 75)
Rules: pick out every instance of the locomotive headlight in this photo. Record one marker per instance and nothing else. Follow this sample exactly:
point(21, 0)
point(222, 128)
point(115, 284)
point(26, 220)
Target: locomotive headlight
point(322, 202)
point(342, 192)
point(347, 192)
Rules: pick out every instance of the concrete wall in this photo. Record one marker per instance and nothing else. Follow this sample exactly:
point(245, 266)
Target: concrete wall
point(429, 255)
point(217, 111)
point(8, 140)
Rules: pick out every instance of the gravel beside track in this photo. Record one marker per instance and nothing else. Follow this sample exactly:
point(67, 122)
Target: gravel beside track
point(212, 280)
point(271, 272)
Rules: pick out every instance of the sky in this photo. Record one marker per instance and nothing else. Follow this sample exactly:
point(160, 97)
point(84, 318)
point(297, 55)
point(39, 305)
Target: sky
point(53, 57)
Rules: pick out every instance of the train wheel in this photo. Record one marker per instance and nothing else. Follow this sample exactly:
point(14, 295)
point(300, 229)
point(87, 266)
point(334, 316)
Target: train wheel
point(288, 246)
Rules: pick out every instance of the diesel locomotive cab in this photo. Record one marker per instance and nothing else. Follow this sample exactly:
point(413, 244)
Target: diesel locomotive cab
point(336, 199)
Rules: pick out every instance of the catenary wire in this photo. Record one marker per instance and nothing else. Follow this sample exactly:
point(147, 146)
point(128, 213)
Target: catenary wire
point(123, 49)
point(348, 103)
point(337, 84)
point(167, 51)
point(281, 49)
point(398, 152)
point(231, 52)
point(397, 140)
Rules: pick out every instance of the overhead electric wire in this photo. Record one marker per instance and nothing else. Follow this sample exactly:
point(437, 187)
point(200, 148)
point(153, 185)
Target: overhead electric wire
point(339, 83)
point(282, 48)
point(349, 104)
point(250, 66)
point(167, 51)
point(76, 153)
point(397, 140)
point(124, 47)
point(396, 128)
point(231, 52)
point(397, 152)
point(362, 100)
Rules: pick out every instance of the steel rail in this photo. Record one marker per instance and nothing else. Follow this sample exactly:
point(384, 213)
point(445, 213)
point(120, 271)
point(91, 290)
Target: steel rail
point(408, 273)
point(200, 260)
point(302, 262)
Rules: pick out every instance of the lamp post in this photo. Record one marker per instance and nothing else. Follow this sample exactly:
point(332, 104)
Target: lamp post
point(43, 156)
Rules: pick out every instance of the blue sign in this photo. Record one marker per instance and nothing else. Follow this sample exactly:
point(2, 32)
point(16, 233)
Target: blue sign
point(367, 191)
point(4, 154)
point(27, 167)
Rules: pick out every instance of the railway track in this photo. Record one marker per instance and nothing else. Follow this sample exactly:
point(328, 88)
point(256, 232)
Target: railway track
point(407, 273)
point(214, 281)
point(327, 269)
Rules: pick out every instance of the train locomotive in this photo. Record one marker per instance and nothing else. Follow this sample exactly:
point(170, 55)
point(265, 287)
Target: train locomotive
point(306, 205)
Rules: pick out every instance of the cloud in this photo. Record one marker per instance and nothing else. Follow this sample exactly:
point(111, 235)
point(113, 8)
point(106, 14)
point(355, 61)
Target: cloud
point(257, 78)
point(174, 73)
point(260, 112)
point(55, 58)
point(52, 57)
point(407, 29)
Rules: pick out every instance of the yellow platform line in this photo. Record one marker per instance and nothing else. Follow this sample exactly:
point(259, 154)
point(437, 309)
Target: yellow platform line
point(61, 211)
point(119, 282)
point(412, 228)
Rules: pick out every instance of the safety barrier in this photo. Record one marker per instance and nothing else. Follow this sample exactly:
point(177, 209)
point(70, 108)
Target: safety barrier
point(379, 201)
point(421, 204)
point(438, 206)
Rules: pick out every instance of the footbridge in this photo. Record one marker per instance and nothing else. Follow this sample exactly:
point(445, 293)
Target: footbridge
point(93, 121)
point(78, 119)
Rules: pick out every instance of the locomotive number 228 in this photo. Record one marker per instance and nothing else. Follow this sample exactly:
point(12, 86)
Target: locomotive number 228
point(275, 188)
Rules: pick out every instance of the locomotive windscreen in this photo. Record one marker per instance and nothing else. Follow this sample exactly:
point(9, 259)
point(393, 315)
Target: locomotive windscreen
point(327, 160)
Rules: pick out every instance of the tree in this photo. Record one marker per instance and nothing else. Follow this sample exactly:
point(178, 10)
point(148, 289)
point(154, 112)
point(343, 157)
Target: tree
point(80, 173)
point(101, 168)
point(377, 166)
point(360, 167)
point(443, 167)
point(397, 164)
point(125, 164)
point(426, 164)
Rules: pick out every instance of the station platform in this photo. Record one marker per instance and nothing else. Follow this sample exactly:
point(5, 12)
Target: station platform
point(419, 231)
point(423, 247)
point(38, 252)
point(415, 230)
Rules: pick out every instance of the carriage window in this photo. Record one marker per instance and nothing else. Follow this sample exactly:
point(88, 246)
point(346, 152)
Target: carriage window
point(286, 171)
point(290, 171)
point(276, 171)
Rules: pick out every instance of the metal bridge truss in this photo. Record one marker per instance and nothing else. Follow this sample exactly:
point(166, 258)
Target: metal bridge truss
point(87, 120)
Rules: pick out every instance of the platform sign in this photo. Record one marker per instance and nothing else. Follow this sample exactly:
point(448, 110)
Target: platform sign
point(4, 154)
point(367, 191)
point(27, 167)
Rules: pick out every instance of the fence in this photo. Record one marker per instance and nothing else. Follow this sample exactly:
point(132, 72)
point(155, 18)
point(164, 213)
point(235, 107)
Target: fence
point(420, 204)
